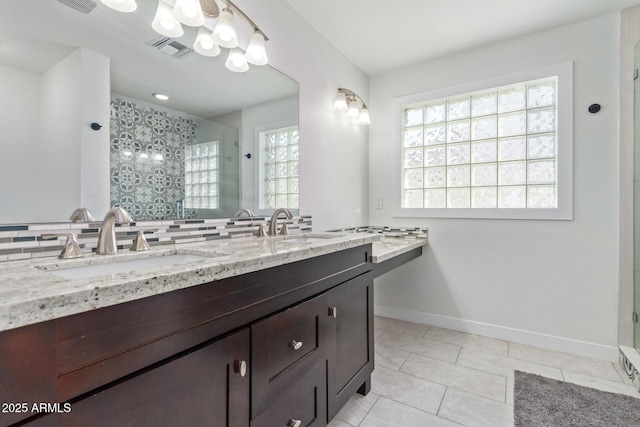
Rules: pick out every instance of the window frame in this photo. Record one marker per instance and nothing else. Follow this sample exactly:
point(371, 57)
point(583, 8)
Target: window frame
point(564, 156)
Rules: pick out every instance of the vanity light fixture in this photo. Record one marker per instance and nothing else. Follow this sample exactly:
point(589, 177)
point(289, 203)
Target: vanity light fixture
point(341, 101)
point(354, 109)
point(165, 22)
point(224, 32)
point(189, 12)
point(217, 28)
point(256, 51)
point(204, 43)
point(364, 118)
point(354, 105)
point(236, 61)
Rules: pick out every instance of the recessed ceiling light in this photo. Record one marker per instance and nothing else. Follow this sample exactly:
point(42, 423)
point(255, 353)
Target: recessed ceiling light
point(161, 96)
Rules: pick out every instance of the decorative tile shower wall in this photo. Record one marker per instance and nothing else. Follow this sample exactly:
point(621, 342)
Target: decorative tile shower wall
point(147, 158)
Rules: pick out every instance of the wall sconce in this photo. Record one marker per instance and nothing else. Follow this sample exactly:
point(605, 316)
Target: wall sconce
point(349, 101)
point(201, 13)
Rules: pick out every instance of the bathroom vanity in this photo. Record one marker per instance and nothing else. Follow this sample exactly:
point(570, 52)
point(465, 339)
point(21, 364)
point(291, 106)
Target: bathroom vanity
point(260, 332)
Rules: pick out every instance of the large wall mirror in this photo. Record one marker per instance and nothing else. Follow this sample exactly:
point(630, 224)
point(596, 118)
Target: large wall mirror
point(222, 141)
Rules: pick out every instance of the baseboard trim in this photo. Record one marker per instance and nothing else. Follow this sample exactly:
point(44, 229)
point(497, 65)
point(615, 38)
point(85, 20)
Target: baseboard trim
point(550, 342)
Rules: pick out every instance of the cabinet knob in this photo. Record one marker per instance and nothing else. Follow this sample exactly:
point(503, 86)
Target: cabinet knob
point(240, 367)
point(296, 345)
point(294, 423)
point(333, 312)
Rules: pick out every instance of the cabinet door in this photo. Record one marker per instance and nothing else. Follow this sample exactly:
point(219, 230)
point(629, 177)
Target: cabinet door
point(350, 358)
point(208, 386)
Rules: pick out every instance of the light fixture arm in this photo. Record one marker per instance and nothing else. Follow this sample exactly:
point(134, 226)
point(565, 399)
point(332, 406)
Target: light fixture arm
point(351, 96)
point(235, 9)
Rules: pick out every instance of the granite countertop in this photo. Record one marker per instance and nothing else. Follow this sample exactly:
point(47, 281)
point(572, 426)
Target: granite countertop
point(31, 292)
point(391, 246)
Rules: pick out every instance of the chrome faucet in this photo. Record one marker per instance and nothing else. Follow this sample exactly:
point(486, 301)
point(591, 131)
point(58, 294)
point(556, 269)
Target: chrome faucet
point(249, 213)
point(273, 223)
point(81, 215)
point(260, 231)
point(107, 238)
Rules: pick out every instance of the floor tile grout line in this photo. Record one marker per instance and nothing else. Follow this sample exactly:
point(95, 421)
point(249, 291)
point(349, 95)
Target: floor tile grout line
point(568, 370)
point(453, 387)
point(442, 400)
point(369, 410)
point(506, 387)
point(427, 331)
point(420, 409)
point(445, 418)
point(440, 406)
point(460, 345)
point(445, 361)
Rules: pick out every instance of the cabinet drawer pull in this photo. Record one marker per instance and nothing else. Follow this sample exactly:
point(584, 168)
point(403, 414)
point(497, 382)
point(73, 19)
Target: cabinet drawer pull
point(296, 345)
point(333, 312)
point(294, 423)
point(240, 367)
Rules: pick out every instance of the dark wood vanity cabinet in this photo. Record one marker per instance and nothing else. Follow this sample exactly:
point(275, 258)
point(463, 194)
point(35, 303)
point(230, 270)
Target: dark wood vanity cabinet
point(332, 333)
point(284, 346)
point(350, 349)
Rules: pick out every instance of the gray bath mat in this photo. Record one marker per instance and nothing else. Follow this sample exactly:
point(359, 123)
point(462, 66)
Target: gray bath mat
point(545, 402)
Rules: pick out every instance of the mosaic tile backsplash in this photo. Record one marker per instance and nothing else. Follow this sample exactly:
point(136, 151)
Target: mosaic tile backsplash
point(24, 241)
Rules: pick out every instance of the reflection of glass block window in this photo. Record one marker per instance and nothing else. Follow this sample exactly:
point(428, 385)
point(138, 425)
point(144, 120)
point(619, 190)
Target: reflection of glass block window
point(279, 169)
point(495, 148)
point(202, 176)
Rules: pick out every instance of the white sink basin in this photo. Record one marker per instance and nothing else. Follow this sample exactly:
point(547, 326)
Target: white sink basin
point(125, 266)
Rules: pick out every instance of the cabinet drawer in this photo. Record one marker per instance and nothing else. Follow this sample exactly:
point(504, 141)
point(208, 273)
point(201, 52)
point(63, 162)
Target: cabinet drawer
point(304, 401)
point(284, 347)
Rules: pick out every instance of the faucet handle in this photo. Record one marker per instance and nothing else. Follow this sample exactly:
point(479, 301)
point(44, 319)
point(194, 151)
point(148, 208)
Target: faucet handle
point(260, 231)
point(140, 242)
point(284, 230)
point(71, 247)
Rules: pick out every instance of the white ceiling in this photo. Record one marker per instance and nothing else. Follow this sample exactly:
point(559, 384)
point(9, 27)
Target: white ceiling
point(380, 35)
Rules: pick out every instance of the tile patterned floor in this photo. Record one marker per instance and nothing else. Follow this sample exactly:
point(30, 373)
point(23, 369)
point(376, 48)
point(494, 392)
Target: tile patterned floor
point(428, 376)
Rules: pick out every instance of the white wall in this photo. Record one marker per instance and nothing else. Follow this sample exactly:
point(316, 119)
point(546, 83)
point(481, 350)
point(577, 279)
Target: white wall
point(60, 136)
point(74, 93)
point(95, 172)
point(19, 151)
point(272, 115)
point(333, 151)
point(546, 283)
point(48, 149)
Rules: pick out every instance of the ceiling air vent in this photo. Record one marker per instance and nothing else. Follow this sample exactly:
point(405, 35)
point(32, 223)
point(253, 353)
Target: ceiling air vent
point(170, 46)
point(82, 6)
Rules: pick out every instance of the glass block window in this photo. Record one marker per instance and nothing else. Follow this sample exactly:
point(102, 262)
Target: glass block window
point(495, 148)
point(202, 176)
point(280, 149)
